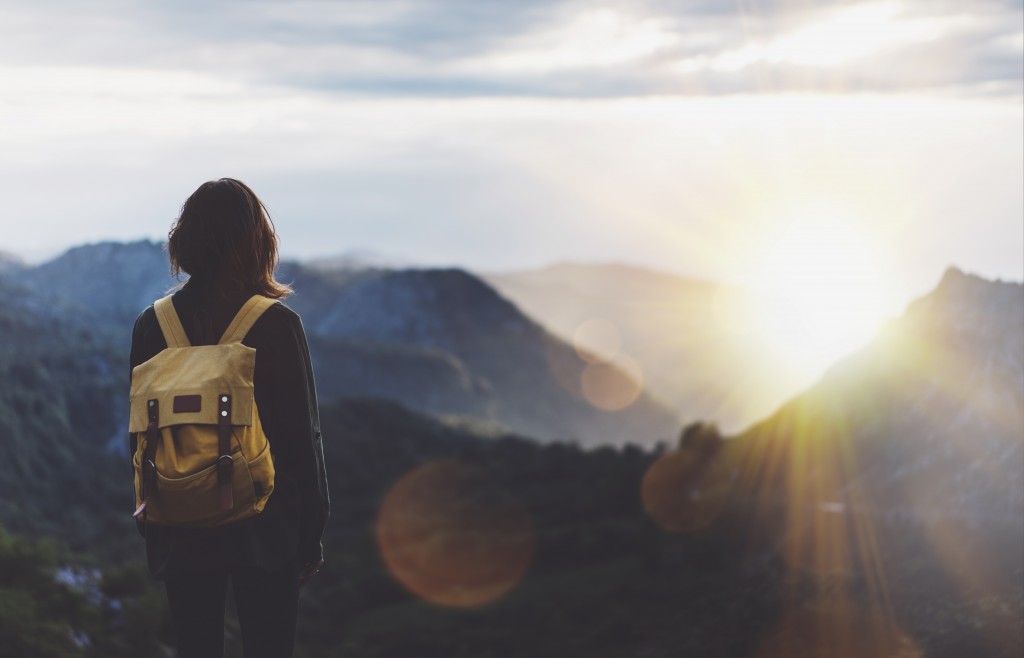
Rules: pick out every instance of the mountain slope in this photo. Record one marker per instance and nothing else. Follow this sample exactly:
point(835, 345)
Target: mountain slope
point(411, 335)
point(10, 263)
point(692, 353)
point(931, 412)
point(896, 480)
point(62, 402)
point(110, 279)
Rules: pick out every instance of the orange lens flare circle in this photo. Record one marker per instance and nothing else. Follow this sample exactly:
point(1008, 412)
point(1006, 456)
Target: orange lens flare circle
point(685, 490)
point(612, 386)
point(452, 537)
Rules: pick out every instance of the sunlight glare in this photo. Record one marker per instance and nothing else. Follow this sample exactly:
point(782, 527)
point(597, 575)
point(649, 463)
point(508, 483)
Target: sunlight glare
point(821, 290)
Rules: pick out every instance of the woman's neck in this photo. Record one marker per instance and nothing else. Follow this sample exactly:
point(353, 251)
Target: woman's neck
point(212, 288)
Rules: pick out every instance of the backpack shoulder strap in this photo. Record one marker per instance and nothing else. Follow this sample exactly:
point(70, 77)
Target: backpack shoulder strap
point(170, 324)
point(247, 316)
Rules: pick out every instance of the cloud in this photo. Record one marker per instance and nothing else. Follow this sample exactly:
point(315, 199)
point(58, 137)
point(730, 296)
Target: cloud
point(544, 48)
point(514, 133)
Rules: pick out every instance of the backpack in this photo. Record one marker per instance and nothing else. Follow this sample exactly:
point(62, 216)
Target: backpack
point(202, 458)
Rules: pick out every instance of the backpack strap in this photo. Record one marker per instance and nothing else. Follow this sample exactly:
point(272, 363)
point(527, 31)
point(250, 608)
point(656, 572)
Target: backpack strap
point(170, 323)
point(247, 316)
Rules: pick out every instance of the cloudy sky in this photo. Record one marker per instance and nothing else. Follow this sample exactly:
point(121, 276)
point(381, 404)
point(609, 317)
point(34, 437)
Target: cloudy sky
point(683, 135)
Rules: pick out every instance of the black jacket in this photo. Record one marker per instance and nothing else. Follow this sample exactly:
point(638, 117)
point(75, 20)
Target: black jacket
point(289, 530)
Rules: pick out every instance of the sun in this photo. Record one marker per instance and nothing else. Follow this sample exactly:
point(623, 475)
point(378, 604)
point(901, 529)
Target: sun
point(820, 286)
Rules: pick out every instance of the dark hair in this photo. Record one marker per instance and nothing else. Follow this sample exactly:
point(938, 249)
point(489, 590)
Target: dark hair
point(225, 236)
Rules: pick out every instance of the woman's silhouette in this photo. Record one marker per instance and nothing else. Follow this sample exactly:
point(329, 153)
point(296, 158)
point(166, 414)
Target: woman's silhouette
point(224, 240)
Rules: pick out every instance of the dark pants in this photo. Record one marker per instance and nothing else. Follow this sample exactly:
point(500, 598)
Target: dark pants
point(267, 605)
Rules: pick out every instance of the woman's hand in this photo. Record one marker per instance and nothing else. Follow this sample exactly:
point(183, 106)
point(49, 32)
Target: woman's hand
point(309, 570)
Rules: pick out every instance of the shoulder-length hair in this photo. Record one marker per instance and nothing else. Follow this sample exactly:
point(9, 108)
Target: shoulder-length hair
point(225, 237)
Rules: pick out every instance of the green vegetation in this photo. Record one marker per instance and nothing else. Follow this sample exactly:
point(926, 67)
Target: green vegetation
point(52, 609)
point(62, 407)
point(604, 580)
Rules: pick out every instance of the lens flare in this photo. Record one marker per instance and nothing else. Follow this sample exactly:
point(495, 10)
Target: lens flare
point(685, 490)
point(452, 537)
point(612, 386)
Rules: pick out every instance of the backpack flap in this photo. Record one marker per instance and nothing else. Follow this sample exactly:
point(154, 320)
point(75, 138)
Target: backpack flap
point(187, 382)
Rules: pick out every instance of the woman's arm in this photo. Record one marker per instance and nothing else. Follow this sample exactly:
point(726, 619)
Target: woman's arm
point(292, 424)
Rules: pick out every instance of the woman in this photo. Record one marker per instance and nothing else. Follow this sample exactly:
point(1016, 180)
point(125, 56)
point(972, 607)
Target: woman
point(224, 240)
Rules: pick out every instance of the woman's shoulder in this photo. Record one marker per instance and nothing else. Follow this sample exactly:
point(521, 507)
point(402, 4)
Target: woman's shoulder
point(278, 320)
point(145, 320)
point(281, 313)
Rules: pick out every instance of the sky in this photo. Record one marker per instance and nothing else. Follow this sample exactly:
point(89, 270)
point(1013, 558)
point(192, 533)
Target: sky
point(701, 137)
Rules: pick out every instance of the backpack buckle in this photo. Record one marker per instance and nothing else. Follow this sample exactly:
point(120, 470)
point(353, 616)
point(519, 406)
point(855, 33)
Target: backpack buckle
point(224, 466)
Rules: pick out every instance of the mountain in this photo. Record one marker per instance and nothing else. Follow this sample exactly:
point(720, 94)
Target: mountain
point(681, 332)
point(442, 341)
point(110, 279)
point(10, 262)
point(930, 414)
point(895, 480)
point(437, 340)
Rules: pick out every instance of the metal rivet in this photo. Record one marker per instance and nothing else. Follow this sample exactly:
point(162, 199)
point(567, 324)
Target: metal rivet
point(224, 399)
point(223, 413)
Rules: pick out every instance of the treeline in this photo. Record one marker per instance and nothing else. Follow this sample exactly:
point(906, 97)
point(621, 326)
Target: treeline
point(556, 550)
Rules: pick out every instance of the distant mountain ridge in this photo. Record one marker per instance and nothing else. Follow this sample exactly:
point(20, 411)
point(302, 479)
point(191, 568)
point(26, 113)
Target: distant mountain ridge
point(411, 335)
point(676, 328)
point(114, 279)
point(439, 341)
point(10, 262)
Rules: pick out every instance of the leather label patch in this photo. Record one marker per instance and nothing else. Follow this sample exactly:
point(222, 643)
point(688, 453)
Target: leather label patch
point(185, 404)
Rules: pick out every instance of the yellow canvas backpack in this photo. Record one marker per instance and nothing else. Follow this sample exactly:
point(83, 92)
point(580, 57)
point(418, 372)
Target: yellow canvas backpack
point(202, 458)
